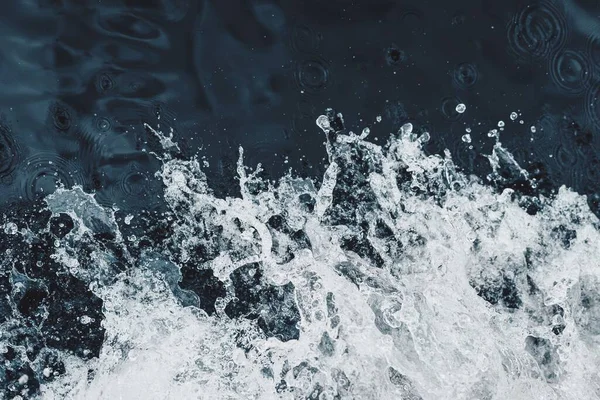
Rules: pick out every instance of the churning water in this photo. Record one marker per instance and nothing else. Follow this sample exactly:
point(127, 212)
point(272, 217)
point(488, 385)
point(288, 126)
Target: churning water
point(395, 276)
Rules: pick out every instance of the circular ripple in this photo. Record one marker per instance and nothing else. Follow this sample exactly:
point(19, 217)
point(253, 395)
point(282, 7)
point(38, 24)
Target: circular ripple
point(9, 154)
point(105, 82)
point(312, 75)
point(134, 189)
point(395, 56)
point(413, 20)
point(465, 75)
point(103, 124)
point(593, 52)
point(304, 40)
point(570, 71)
point(537, 31)
point(449, 108)
point(45, 172)
point(592, 105)
point(60, 116)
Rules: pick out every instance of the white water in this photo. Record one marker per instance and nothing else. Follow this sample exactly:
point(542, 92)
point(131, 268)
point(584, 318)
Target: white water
point(413, 329)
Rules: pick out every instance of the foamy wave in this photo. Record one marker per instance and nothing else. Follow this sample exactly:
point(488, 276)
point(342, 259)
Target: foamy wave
point(397, 277)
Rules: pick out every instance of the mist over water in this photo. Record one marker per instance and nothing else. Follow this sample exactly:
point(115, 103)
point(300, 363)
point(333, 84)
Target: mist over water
point(395, 276)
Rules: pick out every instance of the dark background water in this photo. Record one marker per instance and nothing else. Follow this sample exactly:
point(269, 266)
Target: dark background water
point(80, 78)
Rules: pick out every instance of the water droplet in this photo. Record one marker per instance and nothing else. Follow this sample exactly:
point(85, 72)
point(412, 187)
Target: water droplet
point(533, 129)
point(493, 133)
point(514, 116)
point(365, 133)
point(323, 123)
point(500, 124)
point(10, 228)
point(466, 138)
point(461, 108)
point(406, 130)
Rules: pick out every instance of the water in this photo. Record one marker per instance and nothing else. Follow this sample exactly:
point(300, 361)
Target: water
point(203, 204)
point(398, 277)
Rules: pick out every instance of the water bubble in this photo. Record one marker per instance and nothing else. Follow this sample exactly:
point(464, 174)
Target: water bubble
point(378, 118)
point(533, 130)
point(461, 108)
point(425, 137)
point(493, 133)
point(365, 133)
point(500, 124)
point(466, 138)
point(513, 116)
point(468, 130)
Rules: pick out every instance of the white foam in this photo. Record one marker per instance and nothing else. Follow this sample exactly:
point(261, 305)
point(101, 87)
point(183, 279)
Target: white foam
point(419, 314)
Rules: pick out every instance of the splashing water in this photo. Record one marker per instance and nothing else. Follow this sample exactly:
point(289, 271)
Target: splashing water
point(398, 277)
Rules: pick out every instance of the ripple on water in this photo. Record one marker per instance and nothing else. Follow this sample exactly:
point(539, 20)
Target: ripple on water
point(105, 82)
point(394, 56)
point(537, 31)
point(312, 75)
point(131, 27)
point(448, 108)
point(303, 39)
point(465, 75)
point(61, 117)
point(135, 188)
point(593, 52)
point(592, 105)
point(570, 71)
point(45, 172)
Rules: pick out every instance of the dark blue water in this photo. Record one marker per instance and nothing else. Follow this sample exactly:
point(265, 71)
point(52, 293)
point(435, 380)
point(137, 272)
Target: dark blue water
point(79, 81)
